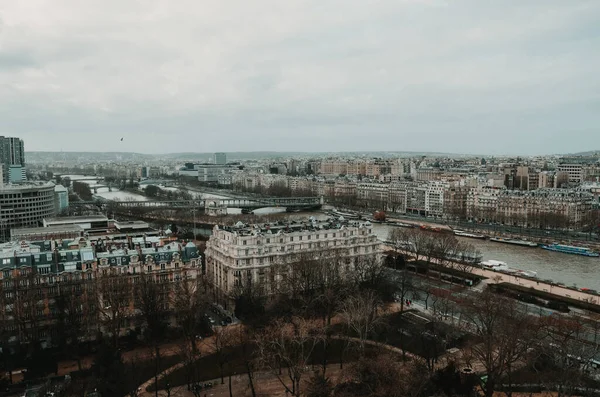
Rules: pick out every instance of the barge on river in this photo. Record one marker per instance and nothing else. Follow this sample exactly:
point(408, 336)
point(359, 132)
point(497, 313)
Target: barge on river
point(569, 249)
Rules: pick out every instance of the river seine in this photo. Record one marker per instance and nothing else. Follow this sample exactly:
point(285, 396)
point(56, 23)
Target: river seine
point(568, 269)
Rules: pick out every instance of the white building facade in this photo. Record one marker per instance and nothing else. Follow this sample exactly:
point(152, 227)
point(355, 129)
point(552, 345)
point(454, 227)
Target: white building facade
point(251, 255)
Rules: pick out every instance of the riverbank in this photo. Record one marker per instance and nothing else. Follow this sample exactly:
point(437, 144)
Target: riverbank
point(476, 229)
point(547, 286)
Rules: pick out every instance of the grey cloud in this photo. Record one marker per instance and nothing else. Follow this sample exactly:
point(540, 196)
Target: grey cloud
point(323, 75)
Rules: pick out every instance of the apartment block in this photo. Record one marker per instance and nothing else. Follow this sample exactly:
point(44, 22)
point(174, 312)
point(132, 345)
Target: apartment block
point(34, 275)
point(256, 255)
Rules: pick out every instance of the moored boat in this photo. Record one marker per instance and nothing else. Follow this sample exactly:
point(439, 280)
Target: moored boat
point(502, 267)
point(523, 243)
point(492, 264)
point(569, 249)
point(462, 233)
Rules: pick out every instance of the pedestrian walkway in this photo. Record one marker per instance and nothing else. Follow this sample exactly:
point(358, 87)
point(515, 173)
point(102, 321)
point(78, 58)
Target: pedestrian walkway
point(496, 277)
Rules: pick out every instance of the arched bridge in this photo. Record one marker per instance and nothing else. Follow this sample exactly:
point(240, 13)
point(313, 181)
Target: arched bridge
point(243, 203)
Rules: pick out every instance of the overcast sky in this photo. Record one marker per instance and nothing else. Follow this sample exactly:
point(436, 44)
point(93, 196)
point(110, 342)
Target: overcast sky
point(474, 76)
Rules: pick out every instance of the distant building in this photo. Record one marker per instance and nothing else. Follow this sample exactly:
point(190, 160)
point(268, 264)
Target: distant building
point(12, 153)
point(16, 174)
point(61, 198)
point(25, 205)
point(209, 173)
point(573, 170)
point(220, 158)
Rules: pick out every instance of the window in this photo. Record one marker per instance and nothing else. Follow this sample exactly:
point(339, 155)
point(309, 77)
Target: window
point(44, 270)
point(6, 261)
point(244, 242)
point(268, 240)
point(163, 266)
point(150, 268)
point(300, 238)
point(6, 273)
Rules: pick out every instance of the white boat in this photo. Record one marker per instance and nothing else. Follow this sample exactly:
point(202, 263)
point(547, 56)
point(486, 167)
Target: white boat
point(502, 267)
point(462, 233)
point(492, 264)
point(523, 243)
point(527, 273)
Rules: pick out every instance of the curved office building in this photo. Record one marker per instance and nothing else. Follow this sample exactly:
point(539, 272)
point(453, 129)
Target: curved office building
point(25, 205)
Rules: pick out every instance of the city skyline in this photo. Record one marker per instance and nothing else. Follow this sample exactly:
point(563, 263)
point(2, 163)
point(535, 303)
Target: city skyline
point(461, 77)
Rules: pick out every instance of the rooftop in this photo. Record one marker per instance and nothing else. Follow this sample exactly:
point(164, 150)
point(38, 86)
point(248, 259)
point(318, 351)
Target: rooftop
point(311, 225)
point(46, 230)
point(75, 219)
point(25, 185)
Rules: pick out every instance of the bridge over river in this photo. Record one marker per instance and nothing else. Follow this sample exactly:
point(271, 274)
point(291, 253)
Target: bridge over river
point(249, 204)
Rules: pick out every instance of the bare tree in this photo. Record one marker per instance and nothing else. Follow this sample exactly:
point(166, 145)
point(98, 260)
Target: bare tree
point(286, 347)
point(361, 314)
point(506, 335)
point(114, 297)
point(221, 345)
point(70, 320)
point(244, 337)
point(153, 299)
point(446, 249)
point(567, 349)
point(190, 302)
point(417, 242)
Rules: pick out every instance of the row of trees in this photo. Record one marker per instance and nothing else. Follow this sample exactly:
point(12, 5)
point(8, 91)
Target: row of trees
point(105, 309)
point(154, 191)
point(82, 190)
point(442, 248)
